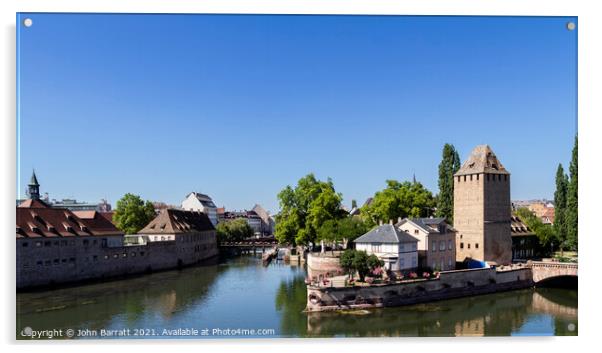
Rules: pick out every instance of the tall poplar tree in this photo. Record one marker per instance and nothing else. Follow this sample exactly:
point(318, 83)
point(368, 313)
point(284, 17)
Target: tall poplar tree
point(450, 164)
point(560, 202)
point(572, 211)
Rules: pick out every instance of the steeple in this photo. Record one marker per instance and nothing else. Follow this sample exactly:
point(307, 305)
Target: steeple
point(34, 187)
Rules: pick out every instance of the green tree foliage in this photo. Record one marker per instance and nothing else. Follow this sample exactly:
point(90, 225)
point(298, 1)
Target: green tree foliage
point(545, 233)
point(342, 230)
point(572, 206)
point(399, 200)
point(132, 213)
point(235, 230)
point(346, 261)
point(560, 204)
point(353, 261)
point(450, 164)
point(305, 208)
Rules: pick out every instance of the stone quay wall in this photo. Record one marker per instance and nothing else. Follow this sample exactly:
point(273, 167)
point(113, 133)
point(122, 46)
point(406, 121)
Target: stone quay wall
point(321, 263)
point(450, 284)
point(61, 261)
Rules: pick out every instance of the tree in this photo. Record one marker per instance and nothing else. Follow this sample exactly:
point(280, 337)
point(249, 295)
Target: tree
point(450, 164)
point(560, 205)
point(133, 214)
point(350, 228)
point(346, 261)
point(343, 230)
point(399, 200)
point(235, 230)
point(572, 205)
point(360, 264)
point(305, 208)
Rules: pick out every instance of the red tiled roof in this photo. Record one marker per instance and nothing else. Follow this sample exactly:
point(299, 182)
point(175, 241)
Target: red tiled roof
point(172, 221)
point(97, 223)
point(33, 203)
point(37, 222)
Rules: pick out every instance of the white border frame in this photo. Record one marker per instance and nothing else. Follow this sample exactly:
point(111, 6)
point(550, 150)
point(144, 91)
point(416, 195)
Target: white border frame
point(590, 25)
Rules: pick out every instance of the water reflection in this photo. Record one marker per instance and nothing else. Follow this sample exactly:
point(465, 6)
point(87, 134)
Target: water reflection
point(240, 293)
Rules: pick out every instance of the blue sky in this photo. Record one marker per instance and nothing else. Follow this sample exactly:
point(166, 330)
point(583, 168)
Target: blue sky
point(241, 106)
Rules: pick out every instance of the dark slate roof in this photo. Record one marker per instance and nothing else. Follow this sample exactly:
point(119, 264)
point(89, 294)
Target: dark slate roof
point(429, 225)
point(386, 233)
point(34, 179)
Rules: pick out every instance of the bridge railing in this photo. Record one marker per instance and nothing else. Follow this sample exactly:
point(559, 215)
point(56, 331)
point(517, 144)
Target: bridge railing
point(568, 265)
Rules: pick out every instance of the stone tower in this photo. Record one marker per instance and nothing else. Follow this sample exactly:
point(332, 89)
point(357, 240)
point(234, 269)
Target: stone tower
point(482, 209)
point(33, 189)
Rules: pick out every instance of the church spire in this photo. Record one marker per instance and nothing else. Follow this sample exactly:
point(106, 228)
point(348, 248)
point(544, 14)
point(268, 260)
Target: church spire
point(34, 187)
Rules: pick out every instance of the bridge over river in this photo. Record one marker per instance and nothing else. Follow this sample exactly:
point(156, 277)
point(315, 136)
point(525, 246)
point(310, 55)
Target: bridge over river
point(546, 271)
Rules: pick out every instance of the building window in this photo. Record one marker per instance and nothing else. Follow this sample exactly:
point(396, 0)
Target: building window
point(477, 176)
point(449, 262)
point(468, 245)
point(39, 263)
point(56, 261)
point(142, 253)
point(47, 243)
point(95, 258)
point(115, 256)
point(106, 257)
point(434, 246)
point(416, 231)
point(470, 177)
point(461, 245)
point(25, 244)
point(56, 243)
point(449, 245)
point(125, 254)
point(375, 248)
point(442, 245)
point(63, 243)
point(487, 177)
point(400, 247)
point(465, 178)
point(64, 261)
point(86, 242)
point(47, 263)
point(476, 245)
point(402, 262)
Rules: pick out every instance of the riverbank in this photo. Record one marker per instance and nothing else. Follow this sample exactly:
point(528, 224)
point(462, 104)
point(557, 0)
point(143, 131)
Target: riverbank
point(449, 284)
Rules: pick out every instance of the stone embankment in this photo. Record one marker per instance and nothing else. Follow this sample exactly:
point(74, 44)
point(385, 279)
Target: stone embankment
point(449, 284)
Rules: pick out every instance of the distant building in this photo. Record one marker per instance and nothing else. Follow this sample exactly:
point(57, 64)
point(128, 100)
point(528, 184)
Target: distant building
point(186, 226)
point(396, 248)
point(33, 192)
point(268, 223)
point(74, 205)
point(482, 209)
point(543, 210)
point(436, 242)
point(203, 203)
point(525, 244)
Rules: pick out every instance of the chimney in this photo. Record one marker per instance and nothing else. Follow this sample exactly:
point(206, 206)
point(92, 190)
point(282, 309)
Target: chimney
point(380, 222)
point(391, 222)
point(398, 219)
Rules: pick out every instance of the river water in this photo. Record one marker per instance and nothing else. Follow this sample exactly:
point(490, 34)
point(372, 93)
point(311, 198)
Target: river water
point(238, 295)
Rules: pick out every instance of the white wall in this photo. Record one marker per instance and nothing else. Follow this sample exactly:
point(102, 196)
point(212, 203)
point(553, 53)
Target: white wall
point(407, 257)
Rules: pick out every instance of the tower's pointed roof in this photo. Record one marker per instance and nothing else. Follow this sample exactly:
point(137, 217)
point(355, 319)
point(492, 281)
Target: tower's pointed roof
point(34, 179)
point(482, 160)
